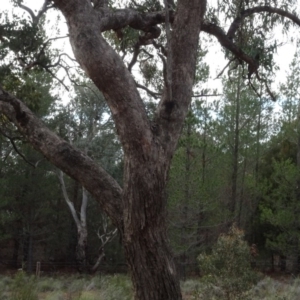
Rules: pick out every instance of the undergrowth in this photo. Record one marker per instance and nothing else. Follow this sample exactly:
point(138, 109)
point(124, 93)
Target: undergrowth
point(116, 287)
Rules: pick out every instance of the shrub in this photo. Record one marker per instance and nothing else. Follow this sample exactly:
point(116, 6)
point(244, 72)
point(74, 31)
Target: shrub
point(227, 271)
point(23, 287)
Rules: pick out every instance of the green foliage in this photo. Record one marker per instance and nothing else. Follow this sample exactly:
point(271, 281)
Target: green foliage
point(228, 266)
point(194, 186)
point(48, 284)
point(24, 54)
point(279, 207)
point(23, 287)
point(117, 287)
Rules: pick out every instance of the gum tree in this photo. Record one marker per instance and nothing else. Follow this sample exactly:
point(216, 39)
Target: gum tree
point(138, 208)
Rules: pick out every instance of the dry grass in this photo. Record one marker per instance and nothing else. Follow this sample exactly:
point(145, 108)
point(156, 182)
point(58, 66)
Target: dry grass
point(22, 287)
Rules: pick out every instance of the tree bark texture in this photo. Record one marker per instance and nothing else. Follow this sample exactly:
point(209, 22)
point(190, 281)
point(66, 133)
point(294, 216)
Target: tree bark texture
point(81, 249)
point(139, 209)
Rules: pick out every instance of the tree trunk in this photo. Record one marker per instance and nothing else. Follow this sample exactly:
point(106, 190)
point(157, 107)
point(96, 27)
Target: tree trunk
point(15, 254)
point(27, 251)
point(235, 156)
point(145, 240)
point(30, 254)
point(81, 249)
point(139, 209)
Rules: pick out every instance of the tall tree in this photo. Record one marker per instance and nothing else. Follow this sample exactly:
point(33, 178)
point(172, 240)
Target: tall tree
point(90, 130)
point(139, 208)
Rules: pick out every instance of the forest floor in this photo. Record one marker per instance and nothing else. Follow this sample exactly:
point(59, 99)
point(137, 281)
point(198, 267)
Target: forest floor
point(117, 287)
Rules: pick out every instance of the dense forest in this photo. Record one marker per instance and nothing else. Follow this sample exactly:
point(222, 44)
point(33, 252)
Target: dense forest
point(182, 161)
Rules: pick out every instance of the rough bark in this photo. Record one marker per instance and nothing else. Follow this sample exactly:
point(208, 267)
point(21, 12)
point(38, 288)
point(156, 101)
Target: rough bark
point(66, 157)
point(139, 210)
point(147, 153)
point(81, 249)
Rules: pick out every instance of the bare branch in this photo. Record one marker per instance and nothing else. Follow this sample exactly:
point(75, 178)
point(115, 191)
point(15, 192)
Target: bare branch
point(151, 93)
point(32, 15)
point(134, 57)
point(37, 61)
point(137, 50)
point(227, 65)
point(36, 18)
point(17, 150)
point(105, 238)
point(160, 47)
point(206, 95)
point(54, 76)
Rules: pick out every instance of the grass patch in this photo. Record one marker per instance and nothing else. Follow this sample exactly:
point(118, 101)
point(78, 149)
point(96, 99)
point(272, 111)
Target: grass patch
point(116, 287)
point(23, 287)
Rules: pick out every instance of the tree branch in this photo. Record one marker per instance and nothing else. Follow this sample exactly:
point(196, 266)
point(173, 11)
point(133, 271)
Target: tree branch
point(184, 44)
point(69, 159)
point(96, 57)
point(100, 4)
point(146, 22)
point(60, 176)
point(35, 18)
point(17, 150)
point(227, 65)
point(151, 93)
point(248, 12)
point(227, 43)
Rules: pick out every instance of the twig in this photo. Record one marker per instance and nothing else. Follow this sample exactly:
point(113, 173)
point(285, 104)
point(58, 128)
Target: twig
point(227, 65)
point(206, 95)
point(17, 150)
point(153, 94)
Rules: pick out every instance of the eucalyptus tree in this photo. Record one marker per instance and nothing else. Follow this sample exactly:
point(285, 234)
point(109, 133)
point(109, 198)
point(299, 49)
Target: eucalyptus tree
point(90, 129)
point(138, 209)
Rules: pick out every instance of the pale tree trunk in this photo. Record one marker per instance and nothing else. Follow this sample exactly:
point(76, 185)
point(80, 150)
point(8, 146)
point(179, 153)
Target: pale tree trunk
point(82, 233)
point(81, 249)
